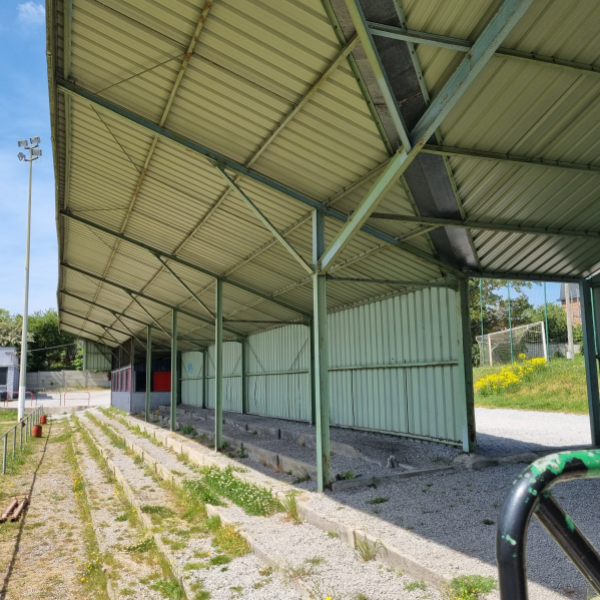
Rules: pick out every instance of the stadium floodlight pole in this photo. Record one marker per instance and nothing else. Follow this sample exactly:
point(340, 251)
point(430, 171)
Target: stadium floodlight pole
point(482, 331)
point(34, 153)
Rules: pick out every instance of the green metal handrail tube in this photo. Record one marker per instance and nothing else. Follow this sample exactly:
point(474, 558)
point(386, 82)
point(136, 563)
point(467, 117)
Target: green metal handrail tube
point(25, 423)
point(529, 496)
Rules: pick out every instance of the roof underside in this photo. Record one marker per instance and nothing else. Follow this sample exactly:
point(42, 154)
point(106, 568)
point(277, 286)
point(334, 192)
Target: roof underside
point(176, 220)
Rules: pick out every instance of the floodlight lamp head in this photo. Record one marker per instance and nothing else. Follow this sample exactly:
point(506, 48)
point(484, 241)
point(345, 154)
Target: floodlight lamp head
point(34, 140)
point(21, 156)
point(36, 151)
point(22, 143)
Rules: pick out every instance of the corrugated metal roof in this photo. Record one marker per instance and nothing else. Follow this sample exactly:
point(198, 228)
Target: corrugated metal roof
point(253, 62)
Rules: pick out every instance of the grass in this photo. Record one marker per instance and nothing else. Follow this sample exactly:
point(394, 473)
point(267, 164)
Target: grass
point(559, 387)
point(8, 415)
point(169, 588)
point(470, 587)
point(290, 506)
point(348, 475)
point(227, 538)
point(378, 500)
point(411, 586)
point(366, 550)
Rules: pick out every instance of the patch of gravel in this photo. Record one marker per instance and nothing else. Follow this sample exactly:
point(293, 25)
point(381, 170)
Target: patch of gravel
point(501, 431)
point(220, 581)
point(40, 553)
point(113, 536)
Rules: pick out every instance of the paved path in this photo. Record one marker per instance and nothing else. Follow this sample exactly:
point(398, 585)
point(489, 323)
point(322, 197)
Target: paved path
point(501, 432)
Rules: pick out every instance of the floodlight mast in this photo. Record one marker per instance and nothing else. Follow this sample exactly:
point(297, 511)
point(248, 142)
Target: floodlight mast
point(35, 142)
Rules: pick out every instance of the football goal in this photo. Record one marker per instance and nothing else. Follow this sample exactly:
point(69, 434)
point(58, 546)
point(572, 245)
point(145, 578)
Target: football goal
point(530, 340)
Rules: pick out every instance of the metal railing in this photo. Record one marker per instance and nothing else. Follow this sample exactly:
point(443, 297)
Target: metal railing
point(11, 396)
point(24, 426)
point(76, 392)
point(530, 496)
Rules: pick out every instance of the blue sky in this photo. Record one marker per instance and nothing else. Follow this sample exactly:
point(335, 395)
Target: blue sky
point(24, 112)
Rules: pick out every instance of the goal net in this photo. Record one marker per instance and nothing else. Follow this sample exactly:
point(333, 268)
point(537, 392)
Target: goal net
point(529, 340)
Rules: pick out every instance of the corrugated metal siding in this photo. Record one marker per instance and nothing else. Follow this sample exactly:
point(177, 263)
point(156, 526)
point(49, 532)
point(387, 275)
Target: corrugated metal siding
point(394, 365)
point(286, 351)
point(94, 359)
point(232, 377)
point(191, 378)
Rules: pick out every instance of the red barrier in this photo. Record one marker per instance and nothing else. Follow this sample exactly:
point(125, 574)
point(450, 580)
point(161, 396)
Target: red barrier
point(77, 392)
point(17, 393)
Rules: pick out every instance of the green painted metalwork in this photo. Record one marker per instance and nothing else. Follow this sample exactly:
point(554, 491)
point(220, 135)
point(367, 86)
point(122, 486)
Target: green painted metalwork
point(204, 379)
point(591, 366)
point(157, 252)
point(546, 321)
point(174, 378)
point(244, 343)
point(465, 359)
point(481, 318)
point(148, 372)
point(321, 353)
point(219, 364)
point(512, 353)
point(121, 113)
point(460, 45)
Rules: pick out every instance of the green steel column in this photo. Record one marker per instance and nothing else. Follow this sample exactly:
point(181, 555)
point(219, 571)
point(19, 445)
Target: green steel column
point(219, 365)
point(591, 368)
point(148, 371)
point(546, 319)
point(321, 352)
point(131, 374)
point(173, 370)
point(244, 342)
point(482, 334)
point(512, 354)
point(465, 366)
point(204, 380)
point(312, 417)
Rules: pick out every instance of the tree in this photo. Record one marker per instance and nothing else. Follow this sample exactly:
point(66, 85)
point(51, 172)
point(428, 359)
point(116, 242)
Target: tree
point(11, 327)
point(55, 349)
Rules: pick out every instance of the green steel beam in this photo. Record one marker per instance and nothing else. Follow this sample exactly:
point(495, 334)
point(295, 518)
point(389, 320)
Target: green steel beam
point(133, 335)
point(167, 255)
point(591, 363)
point(219, 365)
point(465, 367)
point(425, 284)
point(154, 320)
point(320, 371)
point(141, 123)
point(185, 286)
point(131, 373)
point(263, 218)
point(460, 45)
point(366, 39)
point(174, 382)
point(522, 276)
point(509, 158)
point(93, 322)
point(497, 29)
point(148, 372)
point(145, 296)
point(486, 226)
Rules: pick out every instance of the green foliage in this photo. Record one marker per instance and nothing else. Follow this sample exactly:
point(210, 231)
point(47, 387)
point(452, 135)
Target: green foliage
point(143, 546)
point(77, 361)
point(161, 511)
point(379, 500)
point(415, 585)
point(200, 494)
point(169, 588)
point(470, 587)
point(348, 475)
point(254, 499)
point(290, 505)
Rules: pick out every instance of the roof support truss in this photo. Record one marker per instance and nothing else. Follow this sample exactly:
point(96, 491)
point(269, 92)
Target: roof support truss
point(262, 218)
point(486, 226)
point(459, 45)
point(497, 29)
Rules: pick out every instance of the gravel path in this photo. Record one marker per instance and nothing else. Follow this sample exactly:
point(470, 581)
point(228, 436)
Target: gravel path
point(40, 555)
point(502, 431)
point(223, 583)
point(114, 536)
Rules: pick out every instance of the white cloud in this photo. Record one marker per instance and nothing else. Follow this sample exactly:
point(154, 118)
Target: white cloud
point(31, 13)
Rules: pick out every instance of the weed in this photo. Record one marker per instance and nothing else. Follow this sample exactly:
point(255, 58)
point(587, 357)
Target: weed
point(470, 587)
point(169, 588)
point(123, 517)
point(254, 499)
point(315, 561)
point(198, 493)
point(127, 592)
point(254, 432)
point(411, 586)
point(333, 534)
point(367, 550)
point(188, 429)
point(228, 538)
point(143, 546)
point(347, 475)
point(220, 559)
point(242, 452)
point(202, 595)
point(192, 566)
point(161, 511)
point(488, 522)
point(361, 597)
point(301, 479)
point(290, 505)
point(378, 500)
point(266, 571)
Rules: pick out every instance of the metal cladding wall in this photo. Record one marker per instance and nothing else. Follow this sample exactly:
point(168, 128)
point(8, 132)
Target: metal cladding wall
point(191, 378)
point(394, 366)
point(279, 373)
point(232, 377)
point(96, 359)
